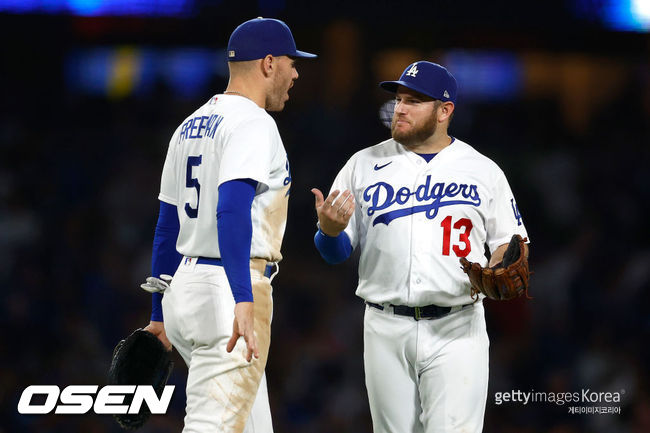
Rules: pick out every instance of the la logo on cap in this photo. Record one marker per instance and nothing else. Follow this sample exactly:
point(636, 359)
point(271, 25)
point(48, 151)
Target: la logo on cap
point(413, 70)
point(446, 94)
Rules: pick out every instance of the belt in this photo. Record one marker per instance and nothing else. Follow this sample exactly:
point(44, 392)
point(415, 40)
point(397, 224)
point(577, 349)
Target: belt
point(268, 271)
point(419, 313)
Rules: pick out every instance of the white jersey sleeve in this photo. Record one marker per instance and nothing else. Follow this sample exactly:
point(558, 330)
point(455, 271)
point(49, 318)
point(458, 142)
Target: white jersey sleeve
point(248, 152)
point(168, 180)
point(503, 219)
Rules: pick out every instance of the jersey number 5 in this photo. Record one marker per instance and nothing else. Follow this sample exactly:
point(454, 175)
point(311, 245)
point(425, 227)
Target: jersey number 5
point(192, 182)
point(461, 251)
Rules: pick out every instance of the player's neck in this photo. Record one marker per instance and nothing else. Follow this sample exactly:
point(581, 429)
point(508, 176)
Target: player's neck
point(240, 88)
point(434, 144)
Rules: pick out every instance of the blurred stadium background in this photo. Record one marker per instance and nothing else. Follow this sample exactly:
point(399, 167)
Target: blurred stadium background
point(557, 92)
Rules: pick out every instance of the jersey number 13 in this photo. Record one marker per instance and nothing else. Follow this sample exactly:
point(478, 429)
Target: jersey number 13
point(463, 247)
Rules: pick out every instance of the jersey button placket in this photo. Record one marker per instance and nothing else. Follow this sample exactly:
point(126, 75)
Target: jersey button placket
point(421, 217)
point(417, 224)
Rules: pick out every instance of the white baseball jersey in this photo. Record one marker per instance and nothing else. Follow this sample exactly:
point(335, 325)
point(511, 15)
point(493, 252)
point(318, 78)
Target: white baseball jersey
point(228, 138)
point(413, 220)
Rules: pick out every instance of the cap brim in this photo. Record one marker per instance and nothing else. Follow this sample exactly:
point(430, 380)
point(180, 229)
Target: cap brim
point(391, 86)
point(304, 54)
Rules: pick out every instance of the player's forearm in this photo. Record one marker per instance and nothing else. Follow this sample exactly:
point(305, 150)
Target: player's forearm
point(235, 230)
point(164, 257)
point(333, 249)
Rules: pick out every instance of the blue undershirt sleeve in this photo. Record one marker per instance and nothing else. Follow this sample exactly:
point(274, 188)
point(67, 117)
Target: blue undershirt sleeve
point(333, 249)
point(164, 257)
point(235, 230)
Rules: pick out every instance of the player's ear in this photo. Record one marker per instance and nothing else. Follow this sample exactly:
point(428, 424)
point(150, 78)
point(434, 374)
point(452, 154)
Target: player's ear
point(445, 111)
point(268, 65)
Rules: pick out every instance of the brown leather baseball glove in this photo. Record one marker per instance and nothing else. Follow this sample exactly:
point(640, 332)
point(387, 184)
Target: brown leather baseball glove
point(505, 280)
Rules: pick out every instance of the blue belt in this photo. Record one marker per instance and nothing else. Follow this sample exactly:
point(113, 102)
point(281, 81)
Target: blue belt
point(268, 271)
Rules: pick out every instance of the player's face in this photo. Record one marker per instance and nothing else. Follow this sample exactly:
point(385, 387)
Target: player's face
point(415, 118)
point(283, 79)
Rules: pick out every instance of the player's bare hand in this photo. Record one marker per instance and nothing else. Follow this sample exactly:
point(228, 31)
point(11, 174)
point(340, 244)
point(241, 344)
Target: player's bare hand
point(158, 329)
point(335, 211)
point(243, 326)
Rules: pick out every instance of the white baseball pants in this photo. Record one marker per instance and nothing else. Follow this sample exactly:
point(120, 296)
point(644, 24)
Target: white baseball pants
point(426, 376)
point(225, 393)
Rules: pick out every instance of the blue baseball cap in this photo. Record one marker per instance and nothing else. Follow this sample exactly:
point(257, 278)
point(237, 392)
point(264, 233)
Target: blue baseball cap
point(427, 78)
point(257, 38)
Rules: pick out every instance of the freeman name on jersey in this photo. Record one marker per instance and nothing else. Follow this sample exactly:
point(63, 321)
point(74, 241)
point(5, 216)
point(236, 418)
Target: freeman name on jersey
point(197, 127)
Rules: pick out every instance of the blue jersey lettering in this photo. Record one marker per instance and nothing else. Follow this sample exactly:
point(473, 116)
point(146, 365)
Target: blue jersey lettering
point(382, 195)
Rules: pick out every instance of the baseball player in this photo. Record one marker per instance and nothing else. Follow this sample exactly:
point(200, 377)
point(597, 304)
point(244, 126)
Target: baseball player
point(414, 205)
point(223, 208)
